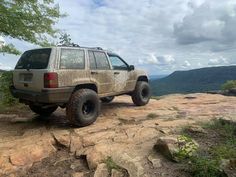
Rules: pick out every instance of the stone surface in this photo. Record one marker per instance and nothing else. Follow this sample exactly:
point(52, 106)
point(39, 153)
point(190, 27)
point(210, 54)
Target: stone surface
point(76, 144)
point(78, 174)
point(227, 165)
point(94, 158)
point(122, 132)
point(156, 162)
point(116, 173)
point(101, 171)
point(62, 137)
point(132, 165)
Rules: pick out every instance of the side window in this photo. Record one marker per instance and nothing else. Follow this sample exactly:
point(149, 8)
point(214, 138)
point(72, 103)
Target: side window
point(101, 60)
point(117, 63)
point(92, 60)
point(72, 59)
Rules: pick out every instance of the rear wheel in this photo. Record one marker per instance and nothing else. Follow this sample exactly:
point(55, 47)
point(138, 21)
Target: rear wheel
point(43, 111)
point(107, 99)
point(142, 93)
point(83, 107)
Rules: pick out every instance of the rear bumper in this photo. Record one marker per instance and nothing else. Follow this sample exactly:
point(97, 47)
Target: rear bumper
point(55, 95)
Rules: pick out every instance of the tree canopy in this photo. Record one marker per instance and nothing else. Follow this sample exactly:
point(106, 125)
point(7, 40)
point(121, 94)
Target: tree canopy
point(28, 20)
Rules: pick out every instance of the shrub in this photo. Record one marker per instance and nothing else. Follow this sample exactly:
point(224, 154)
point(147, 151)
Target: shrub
point(187, 147)
point(205, 167)
point(5, 83)
point(229, 85)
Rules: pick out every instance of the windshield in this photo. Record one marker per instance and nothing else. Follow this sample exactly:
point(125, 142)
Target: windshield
point(34, 59)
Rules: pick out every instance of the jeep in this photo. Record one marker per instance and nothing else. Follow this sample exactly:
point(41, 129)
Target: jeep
point(76, 78)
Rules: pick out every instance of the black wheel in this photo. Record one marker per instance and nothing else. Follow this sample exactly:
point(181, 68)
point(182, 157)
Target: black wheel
point(142, 93)
point(43, 111)
point(83, 107)
point(107, 99)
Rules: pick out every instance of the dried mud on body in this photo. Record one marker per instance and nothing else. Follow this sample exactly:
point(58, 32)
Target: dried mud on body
point(122, 138)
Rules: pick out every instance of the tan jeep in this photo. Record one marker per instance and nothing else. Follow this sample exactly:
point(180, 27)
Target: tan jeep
point(76, 78)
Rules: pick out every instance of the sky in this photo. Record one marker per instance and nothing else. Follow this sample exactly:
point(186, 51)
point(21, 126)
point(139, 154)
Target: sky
point(155, 35)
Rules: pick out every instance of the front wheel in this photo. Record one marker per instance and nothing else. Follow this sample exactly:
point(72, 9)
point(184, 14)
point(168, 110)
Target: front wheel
point(43, 111)
point(83, 107)
point(142, 93)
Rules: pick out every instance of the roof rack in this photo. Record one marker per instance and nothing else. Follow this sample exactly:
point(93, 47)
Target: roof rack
point(98, 48)
point(70, 45)
point(76, 45)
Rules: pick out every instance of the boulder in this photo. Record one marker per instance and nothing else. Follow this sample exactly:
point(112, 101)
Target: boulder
point(227, 165)
point(101, 171)
point(132, 165)
point(75, 144)
point(116, 173)
point(78, 174)
point(26, 156)
point(94, 158)
point(175, 147)
point(156, 162)
point(62, 137)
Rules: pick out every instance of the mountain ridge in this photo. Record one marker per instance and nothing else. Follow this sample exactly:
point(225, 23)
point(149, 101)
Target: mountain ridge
point(196, 80)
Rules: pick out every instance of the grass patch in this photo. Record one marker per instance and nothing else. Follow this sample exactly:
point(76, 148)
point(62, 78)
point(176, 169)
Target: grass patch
point(218, 144)
point(152, 115)
point(111, 165)
point(204, 167)
point(16, 109)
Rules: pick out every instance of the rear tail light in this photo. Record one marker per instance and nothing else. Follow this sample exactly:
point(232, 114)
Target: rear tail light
point(50, 80)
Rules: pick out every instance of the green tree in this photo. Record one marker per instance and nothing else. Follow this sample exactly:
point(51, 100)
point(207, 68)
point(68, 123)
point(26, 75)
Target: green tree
point(65, 39)
point(28, 20)
point(5, 94)
point(229, 85)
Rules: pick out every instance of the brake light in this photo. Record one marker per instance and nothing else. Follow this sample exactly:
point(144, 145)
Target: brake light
point(50, 80)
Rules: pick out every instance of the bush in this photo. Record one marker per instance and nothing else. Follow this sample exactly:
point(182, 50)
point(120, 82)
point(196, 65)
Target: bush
point(205, 167)
point(229, 85)
point(5, 83)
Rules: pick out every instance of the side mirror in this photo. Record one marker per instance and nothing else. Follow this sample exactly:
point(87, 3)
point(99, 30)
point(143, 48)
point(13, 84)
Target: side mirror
point(131, 67)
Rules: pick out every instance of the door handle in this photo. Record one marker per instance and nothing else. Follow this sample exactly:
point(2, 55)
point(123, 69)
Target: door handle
point(94, 72)
point(116, 72)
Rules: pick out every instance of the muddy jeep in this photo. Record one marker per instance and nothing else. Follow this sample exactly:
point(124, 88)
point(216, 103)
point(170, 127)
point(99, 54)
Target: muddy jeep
point(76, 78)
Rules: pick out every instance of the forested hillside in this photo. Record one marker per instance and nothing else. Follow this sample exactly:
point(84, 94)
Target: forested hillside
point(197, 80)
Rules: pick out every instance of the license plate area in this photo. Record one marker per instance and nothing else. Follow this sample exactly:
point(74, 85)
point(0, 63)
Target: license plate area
point(26, 77)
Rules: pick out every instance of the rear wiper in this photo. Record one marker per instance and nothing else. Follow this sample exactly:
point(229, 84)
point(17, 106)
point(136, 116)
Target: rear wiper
point(28, 67)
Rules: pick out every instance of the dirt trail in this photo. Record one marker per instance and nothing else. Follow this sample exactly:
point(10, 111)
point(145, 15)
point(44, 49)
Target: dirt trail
point(124, 132)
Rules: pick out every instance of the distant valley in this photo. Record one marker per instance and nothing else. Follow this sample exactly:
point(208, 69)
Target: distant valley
point(196, 80)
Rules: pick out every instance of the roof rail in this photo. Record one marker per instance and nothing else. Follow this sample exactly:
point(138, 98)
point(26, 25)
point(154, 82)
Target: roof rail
point(76, 45)
point(70, 45)
point(97, 48)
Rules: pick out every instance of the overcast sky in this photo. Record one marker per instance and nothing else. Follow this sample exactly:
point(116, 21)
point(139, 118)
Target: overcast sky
point(159, 36)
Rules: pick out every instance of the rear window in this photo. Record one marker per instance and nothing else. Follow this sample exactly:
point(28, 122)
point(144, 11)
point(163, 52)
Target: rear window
point(72, 59)
point(34, 59)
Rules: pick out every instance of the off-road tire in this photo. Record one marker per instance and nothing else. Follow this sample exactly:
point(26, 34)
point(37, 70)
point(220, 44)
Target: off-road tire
point(83, 107)
point(142, 93)
point(43, 111)
point(107, 99)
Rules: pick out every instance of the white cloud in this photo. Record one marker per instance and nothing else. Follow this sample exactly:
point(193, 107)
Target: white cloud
point(160, 60)
point(211, 21)
point(162, 33)
point(3, 67)
point(218, 61)
point(186, 64)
